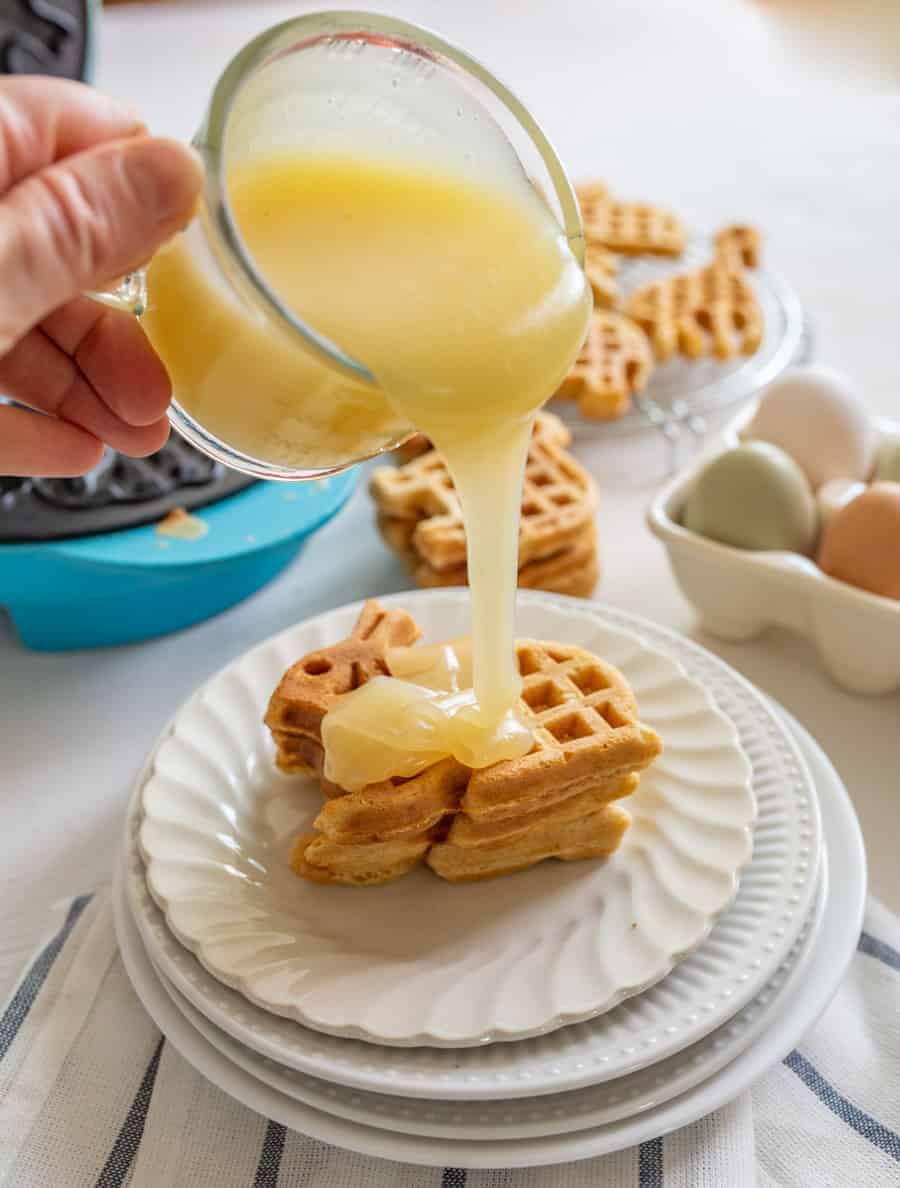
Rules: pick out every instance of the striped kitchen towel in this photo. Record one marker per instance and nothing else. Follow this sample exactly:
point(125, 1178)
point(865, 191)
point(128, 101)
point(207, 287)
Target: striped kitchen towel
point(91, 1096)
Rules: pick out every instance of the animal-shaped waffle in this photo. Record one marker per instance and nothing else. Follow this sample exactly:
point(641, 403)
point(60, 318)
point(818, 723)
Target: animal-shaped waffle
point(712, 310)
point(613, 364)
point(632, 228)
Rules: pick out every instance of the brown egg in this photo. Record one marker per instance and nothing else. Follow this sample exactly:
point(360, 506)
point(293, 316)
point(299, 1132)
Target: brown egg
point(861, 541)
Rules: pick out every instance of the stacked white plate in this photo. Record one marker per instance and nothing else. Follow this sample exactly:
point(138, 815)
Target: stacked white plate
point(566, 1011)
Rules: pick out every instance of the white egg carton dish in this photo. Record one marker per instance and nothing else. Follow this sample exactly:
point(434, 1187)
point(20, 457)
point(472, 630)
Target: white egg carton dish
point(738, 594)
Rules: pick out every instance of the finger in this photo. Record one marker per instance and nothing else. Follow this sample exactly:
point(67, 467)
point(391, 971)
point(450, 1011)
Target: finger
point(32, 444)
point(114, 355)
point(82, 410)
point(38, 373)
point(77, 224)
point(107, 347)
point(45, 119)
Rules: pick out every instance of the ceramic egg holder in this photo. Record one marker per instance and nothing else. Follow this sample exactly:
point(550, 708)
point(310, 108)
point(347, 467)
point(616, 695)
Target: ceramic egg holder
point(738, 593)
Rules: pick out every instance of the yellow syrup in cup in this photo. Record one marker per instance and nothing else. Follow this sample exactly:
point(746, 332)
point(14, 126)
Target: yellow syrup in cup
point(463, 298)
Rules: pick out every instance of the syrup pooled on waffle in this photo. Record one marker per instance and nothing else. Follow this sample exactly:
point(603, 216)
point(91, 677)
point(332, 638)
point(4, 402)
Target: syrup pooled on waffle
point(587, 748)
point(310, 688)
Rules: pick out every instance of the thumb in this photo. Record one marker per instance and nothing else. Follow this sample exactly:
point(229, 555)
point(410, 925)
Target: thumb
point(86, 220)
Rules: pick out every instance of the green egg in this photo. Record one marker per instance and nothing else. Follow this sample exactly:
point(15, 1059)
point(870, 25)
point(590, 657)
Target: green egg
point(753, 497)
point(887, 469)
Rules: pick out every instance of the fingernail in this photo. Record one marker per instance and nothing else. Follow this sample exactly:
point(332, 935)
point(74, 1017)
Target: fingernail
point(166, 177)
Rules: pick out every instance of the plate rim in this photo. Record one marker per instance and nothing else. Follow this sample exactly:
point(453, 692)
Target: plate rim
point(690, 1075)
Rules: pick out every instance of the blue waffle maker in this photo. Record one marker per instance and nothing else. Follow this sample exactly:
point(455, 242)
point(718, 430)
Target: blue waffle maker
point(115, 587)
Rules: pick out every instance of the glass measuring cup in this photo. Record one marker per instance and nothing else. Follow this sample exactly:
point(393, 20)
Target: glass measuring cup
point(325, 81)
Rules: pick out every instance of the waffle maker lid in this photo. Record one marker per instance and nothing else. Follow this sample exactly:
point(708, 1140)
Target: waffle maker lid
point(118, 493)
point(46, 37)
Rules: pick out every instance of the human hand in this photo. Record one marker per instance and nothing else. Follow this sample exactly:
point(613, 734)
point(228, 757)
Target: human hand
point(85, 196)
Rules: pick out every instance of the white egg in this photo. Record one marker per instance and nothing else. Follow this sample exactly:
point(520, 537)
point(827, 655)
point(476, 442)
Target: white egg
point(815, 415)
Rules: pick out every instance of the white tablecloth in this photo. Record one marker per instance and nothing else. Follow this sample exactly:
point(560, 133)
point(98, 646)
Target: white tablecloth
point(91, 1096)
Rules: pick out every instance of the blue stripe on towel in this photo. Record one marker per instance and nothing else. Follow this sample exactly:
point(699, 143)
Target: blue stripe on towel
point(879, 1136)
point(129, 1137)
point(650, 1164)
point(23, 1000)
point(454, 1177)
point(270, 1157)
point(880, 950)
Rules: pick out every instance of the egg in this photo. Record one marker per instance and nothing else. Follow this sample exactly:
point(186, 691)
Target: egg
point(815, 415)
point(753, 497)
point(834, 494)
point(887, 467)
point(861, 542)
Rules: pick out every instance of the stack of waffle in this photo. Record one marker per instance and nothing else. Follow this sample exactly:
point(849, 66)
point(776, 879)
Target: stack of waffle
point(558, 801)
point(420, 518)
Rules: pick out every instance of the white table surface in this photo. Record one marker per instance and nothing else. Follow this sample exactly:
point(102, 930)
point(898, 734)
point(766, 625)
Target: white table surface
point(728, 110)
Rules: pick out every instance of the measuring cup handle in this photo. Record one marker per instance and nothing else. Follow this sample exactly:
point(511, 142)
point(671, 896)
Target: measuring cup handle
point(128, 293)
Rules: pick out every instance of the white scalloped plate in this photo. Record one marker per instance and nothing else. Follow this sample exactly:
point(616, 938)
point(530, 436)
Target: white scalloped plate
point(743, 950)
point(419, 961)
